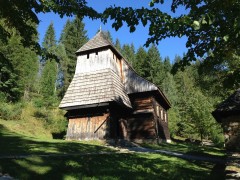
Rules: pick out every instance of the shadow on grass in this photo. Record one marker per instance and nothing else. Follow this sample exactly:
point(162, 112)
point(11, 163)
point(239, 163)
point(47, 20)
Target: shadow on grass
point(190, 149)
point(15, 144)
point(117, 166)
point(112, 166)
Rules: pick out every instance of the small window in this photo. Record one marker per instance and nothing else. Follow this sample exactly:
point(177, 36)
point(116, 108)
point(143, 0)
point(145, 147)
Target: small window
point(113, 56)
point(97, 53)
point(158, 111)
point(87, 56)
point(161, 114)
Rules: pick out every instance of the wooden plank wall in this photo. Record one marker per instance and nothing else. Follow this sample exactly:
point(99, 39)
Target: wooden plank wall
point(163, 131)
point(141, 125)
point(87, 128)
point(142, 103)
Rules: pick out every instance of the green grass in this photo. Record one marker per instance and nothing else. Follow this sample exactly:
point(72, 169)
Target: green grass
point(115, 166)
point(102, 166)
point(189, 148)
point(17, 144)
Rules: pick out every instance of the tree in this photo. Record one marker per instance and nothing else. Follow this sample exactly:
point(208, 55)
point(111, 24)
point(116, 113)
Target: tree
point(72, 38)
point(49, 61)
point(211, 27)
point(18, 67)
point(155, 66)
point(141, 62)
point(118, 45)
point(48, 80)
point(167, 64)
point(129, 53)
point(17, 14)
point(108, 36)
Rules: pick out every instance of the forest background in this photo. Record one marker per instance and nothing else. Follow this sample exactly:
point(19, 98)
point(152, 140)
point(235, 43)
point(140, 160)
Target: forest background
point(33, 81)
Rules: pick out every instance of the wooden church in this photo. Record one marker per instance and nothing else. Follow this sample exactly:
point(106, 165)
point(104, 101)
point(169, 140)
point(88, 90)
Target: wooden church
point(108, 100)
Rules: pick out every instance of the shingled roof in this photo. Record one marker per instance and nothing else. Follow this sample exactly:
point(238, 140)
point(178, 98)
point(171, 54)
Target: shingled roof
point(98, 41)
point(93, 88)
point(105, 85)
point(230, 106)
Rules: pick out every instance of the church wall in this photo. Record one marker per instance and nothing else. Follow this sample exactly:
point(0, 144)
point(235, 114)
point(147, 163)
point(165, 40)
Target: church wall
point(94, 61)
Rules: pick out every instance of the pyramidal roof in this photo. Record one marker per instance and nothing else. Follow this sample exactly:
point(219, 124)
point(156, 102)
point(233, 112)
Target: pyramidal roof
point(98, 41)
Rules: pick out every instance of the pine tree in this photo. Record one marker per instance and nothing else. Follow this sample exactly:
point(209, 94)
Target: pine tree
point(50, 67)
point(118, 45)
point(48, 81)
point(108, 36)
point(73, 37)
point(18, 67)
point(129, 53)
point(141, 61)
point(167, 64)
point(155, 66)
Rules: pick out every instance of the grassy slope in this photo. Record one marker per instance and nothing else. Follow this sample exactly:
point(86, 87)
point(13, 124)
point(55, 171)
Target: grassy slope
point(12, 143)
point(117, 166)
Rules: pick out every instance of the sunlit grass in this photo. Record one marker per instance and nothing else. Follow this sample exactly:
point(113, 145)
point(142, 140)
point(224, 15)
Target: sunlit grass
point(12, 143)
point(188, 148)
point(114, 166)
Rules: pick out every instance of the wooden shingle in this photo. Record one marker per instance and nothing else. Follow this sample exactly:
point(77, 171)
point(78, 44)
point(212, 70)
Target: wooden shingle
point(96, 87)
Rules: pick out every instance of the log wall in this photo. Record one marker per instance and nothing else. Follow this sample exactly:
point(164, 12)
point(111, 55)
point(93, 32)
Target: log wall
point(231, 128)
point(149, 119)
point(88, 128)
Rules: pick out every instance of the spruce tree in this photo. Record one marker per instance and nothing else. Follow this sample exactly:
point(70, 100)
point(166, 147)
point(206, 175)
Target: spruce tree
point(129, 53)
point(18, 66)
point(50, 67)
point(141, 61)
point(167, 64)
point(118, 45)
point(155, 66)
point(108, 36)
point(73, 37)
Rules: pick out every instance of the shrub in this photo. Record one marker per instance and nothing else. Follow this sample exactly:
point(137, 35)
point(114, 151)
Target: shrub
point(11, 111)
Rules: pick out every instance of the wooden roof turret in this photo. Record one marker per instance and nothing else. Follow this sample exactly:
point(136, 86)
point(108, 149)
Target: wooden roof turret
point(97, 79)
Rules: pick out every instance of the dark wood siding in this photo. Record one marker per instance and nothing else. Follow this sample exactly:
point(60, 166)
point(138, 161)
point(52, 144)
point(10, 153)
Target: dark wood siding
point(141, 126)
point(148, 114)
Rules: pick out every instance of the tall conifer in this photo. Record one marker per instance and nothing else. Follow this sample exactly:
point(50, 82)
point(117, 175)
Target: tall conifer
point(73, 37)
point(50, 69)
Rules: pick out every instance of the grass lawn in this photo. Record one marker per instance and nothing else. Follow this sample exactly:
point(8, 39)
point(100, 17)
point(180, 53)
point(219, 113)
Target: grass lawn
point(189, 148)
point(116, 166)
point(17, 144)
point(102, 166)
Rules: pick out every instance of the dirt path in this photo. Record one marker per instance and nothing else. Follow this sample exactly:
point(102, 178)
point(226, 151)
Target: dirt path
point(175, 154)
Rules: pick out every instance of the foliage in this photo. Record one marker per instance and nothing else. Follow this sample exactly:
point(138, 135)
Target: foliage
point(52, 119)
point(18, 66)
point(17, 13)
point(128, 52)
point(141, 62)
point(154, 66)
point(48, 82)
point(10, 111)
point(211, 27)
point(49, 61)
point(73, 37)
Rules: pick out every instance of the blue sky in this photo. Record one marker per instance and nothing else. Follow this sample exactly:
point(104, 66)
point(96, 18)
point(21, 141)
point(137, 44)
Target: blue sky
point(167, 47)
